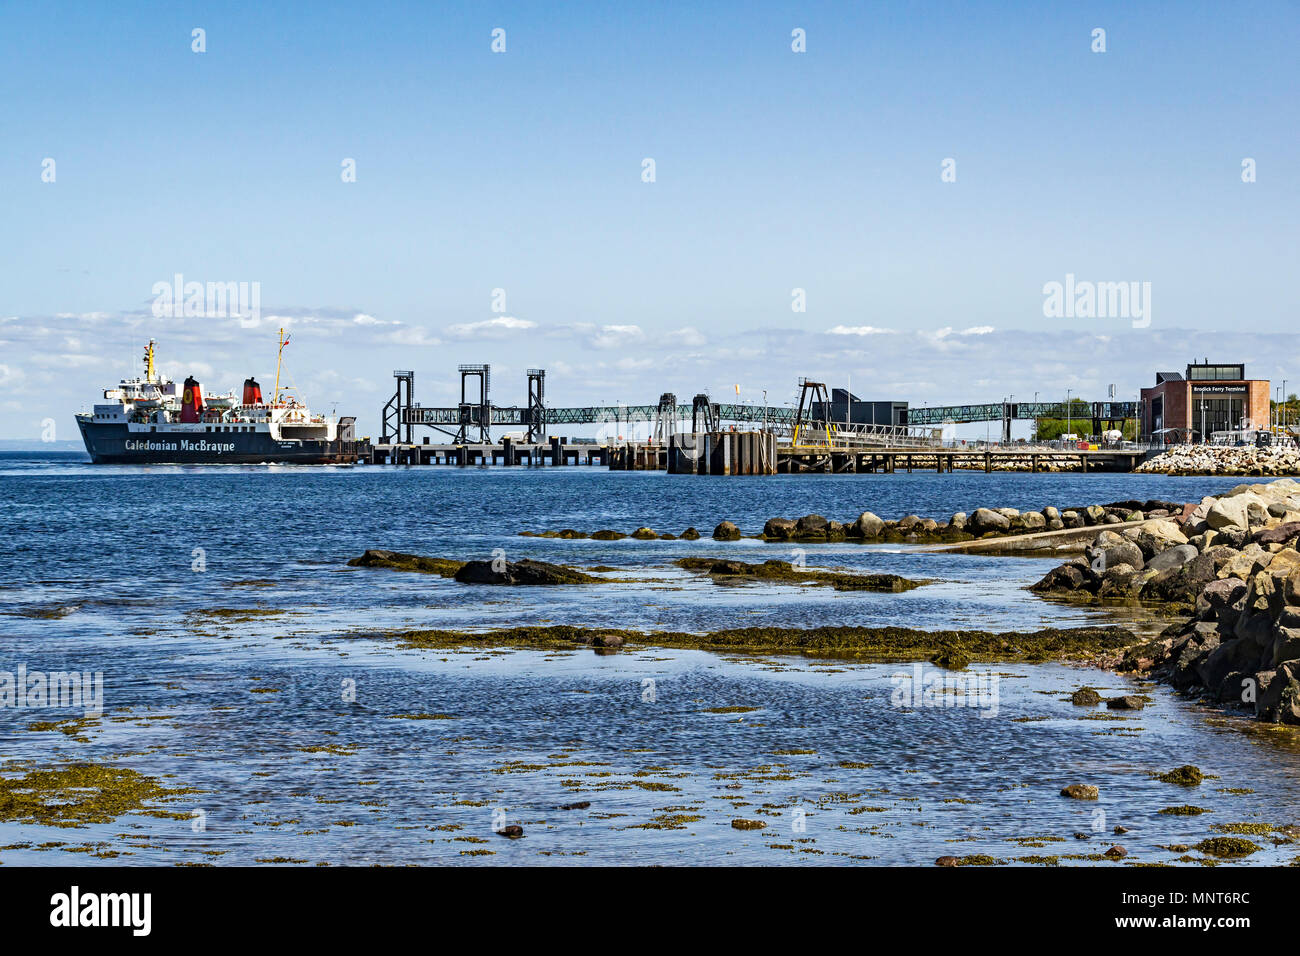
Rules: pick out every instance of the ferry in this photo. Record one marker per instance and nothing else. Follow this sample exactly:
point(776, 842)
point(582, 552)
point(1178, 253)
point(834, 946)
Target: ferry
point(154, 420)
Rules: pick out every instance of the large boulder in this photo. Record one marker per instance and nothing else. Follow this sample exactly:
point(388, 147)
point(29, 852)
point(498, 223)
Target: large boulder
point(810, 526)
point(1072, 576)
point(527, 572)
point(1033, 521)
point(726, 531)
point(867, 525)
point(1286, 645)
point(1279, 696)
point(1118, 581)
point(1174, 557)
point(1284, 563)
point(779, 529)
point(1164, 529)
point(1180, 585)
point(1280, 534)
point(1263, 605)
point(1246, 564)
point(1221, 600)
point(1190, 651)
point(985, 520)
point(1228, 657)
point(1237, 511)
point(1110, 550)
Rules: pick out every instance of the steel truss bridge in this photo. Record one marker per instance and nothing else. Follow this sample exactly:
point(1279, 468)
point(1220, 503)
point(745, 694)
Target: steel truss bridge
point(1026, 411)
point(473, 419)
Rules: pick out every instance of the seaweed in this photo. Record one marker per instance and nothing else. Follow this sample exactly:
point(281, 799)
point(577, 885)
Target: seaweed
point(783, 572)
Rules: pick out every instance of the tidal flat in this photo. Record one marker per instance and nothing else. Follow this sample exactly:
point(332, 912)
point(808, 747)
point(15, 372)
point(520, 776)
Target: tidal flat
point(260, 710)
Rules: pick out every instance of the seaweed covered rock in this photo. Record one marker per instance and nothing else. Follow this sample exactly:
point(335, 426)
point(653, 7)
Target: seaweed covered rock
point(400, 561)
point(1081, 791)
point(811, 526)
point(726, 531)
point(526, 572)
point(779, 529)
point(1069, 577)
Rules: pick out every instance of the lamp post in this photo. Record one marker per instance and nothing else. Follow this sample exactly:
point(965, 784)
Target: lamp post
point(1067, 411)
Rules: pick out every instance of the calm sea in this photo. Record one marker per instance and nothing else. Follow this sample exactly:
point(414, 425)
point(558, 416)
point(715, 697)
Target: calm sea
point(294, 722)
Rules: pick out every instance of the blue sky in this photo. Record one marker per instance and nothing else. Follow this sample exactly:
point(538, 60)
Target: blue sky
point(522, 171)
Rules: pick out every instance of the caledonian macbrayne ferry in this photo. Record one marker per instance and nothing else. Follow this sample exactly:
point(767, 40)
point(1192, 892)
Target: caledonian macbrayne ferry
point(152, 420)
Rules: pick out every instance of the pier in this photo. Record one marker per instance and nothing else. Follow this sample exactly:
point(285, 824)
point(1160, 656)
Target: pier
point(731, 438)
point(555, 452)
point(755, 453)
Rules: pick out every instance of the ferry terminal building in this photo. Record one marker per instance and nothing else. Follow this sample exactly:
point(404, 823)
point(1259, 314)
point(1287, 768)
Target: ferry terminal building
point(1210, 398)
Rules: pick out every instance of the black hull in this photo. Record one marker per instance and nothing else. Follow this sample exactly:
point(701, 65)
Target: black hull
point(113, 444)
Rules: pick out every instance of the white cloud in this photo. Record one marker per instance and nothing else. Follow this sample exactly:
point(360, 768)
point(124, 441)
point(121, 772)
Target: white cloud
point(496, 328)
point(948, 330)
point(10, 376)
point(416, 335)
point(67, 360)
point(617, 336)
point(633, 364)
point(858, 330)
point(688, 336)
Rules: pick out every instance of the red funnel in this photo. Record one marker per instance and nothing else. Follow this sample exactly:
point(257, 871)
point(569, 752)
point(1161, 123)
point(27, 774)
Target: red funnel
point(192, 401)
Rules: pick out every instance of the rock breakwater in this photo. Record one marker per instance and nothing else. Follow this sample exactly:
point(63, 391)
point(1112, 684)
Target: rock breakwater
point(1231, 565)
point(1224, 460)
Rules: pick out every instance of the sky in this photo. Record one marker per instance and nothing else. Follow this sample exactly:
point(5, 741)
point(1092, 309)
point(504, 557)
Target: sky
point(885, 208)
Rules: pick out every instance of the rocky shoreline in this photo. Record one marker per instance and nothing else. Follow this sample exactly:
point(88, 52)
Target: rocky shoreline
point(1273, 461)
point(1229, 566)
point(868, 528)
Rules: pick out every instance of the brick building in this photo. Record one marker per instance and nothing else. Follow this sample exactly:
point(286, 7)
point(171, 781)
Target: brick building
point(1210, 398)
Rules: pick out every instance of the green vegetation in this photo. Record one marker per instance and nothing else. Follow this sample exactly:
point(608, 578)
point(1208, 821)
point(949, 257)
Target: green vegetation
point(1184, 776)
point(397, 561)
point(1078, 423)
point(1227, 847)
point(870, 643)
point(78, 794)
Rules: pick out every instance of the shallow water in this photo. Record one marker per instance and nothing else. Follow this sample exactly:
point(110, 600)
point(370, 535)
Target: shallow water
point(251, 711)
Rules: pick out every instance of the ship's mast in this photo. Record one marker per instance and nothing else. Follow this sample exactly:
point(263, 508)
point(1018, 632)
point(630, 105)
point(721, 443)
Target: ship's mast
point(279, 359)
point(148, 362)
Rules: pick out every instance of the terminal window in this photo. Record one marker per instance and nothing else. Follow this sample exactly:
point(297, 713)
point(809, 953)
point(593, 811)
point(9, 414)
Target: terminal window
point(1218, 373)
